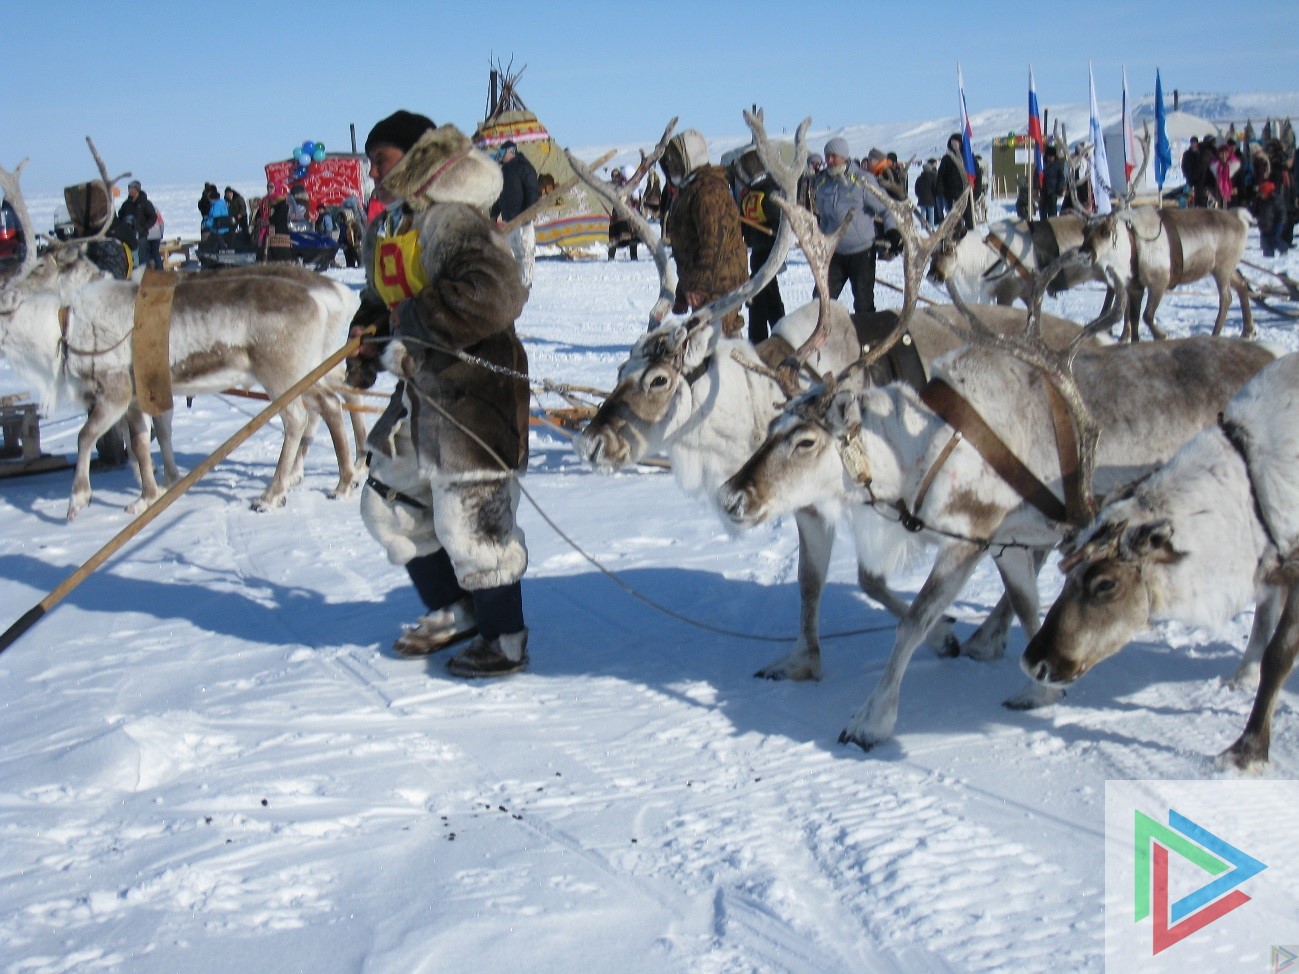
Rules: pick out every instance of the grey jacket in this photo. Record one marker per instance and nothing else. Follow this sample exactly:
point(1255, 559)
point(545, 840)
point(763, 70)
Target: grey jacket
point(836, 195)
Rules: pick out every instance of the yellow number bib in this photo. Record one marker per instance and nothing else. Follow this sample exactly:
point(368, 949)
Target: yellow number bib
point(398, 269)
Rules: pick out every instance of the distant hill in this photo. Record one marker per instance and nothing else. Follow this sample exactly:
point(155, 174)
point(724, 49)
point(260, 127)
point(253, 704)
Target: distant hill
point(924, 139)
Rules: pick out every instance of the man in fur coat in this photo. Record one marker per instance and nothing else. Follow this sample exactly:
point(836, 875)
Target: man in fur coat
point(445, 455)
point(704, 222)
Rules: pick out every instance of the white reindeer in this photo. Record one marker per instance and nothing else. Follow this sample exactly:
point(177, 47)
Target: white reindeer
point(1151, 250)
point(1211, 532)
point(1000, 265)
point(891, 450)
point(66, 329)
point(705, 401)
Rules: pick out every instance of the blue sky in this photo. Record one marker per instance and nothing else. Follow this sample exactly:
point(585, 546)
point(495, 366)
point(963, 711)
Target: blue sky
point(185, 92)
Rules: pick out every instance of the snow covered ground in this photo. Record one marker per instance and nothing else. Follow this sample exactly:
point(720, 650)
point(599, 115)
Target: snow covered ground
point(212, 762)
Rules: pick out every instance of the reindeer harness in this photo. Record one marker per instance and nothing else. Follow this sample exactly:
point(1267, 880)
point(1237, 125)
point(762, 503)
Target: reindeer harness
point(1045, 244)
point(1238, 437)
point(968, 425)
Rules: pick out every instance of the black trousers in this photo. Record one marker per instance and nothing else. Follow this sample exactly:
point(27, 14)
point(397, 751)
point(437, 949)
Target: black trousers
point(859, 271)
point(497, 610)
point(766, 308)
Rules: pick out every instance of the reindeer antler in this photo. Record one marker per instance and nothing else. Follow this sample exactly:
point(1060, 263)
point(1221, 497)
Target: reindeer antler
point(1135, 181)
point(618, 200)
point(1056, 365)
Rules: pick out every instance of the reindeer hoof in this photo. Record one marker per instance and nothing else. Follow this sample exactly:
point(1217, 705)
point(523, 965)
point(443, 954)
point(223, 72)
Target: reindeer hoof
point(783, 670)
point(1248, 755)
point(950, 648)
point(846, 738)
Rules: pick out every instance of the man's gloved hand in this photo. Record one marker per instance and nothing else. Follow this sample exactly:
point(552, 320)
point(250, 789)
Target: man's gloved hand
point(892, 244)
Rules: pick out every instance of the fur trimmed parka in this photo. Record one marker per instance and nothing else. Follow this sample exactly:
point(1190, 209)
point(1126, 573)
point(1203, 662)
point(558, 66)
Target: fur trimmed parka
point(469, 304)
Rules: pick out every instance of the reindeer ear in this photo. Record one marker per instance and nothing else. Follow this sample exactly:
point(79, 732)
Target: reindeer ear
point(699, 344)
point(1146, 540)
point(842, 411)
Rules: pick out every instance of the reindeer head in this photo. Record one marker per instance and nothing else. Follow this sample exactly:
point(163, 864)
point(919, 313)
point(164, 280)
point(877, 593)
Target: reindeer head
point(946, 256)
point(1101, 237)
point(1108, 596)
point(650, 400)
point(800, 463)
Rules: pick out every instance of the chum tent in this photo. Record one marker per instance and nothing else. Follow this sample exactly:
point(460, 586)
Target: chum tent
point(578, 219)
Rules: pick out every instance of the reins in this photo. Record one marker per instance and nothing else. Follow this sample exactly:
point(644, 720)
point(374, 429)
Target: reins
point(608, 573)
point(572, 543)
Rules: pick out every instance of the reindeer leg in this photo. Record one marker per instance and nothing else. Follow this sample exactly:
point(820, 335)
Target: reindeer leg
point(1241, 287)
point(1153, 297)
point(1132, 317)
point(815, 541)
point(989, 640)
point(105, 410)
point(332, 413)
point(149, 491)
point(295, 419)
point(1267, 612)
point(1251, 748)
point(1224, 305)
point(877, 543)
point(874, 722)
point(358, 432)
point(1019, 571)
point(162, 430)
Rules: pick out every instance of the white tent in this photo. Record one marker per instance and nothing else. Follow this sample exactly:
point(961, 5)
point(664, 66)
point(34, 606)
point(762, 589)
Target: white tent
point(1180, 126)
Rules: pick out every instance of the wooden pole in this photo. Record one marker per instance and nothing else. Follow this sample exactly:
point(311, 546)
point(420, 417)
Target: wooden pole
point(38, 611)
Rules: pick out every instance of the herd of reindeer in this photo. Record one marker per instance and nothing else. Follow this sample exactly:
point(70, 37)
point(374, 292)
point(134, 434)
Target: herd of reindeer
point(1163, 471)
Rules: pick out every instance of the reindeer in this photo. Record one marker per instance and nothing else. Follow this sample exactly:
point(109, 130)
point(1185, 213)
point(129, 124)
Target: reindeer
point(705, 401)
point(1151, 250)
point(66, 329)
point(847, 443)
point(1000, 266)
point(1198, 540)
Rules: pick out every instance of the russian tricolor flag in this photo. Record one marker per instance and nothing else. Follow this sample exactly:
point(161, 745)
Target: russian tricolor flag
point(967, 133)
point(1035, 130)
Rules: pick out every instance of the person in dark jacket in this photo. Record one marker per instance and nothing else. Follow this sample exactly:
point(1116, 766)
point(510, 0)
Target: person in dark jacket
point(446, 454)
point(927, 190)
point(761, 221)
point(210, 192)
point(134, 218)
point(519, 192)
point(952, 179)
point(237, 207)
point(1269, 212)
point(1055, 180)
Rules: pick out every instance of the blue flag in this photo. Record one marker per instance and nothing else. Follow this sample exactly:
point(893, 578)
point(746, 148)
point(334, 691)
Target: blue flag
point(1163, 151)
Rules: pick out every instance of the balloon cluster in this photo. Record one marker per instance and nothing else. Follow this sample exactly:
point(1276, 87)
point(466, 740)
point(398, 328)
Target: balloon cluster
point(306, 156)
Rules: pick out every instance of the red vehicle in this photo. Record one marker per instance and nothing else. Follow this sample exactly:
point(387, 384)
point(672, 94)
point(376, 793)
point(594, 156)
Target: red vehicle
point(330, 182)
point(11, 240)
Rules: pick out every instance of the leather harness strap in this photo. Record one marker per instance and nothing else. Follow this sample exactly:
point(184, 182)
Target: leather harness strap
point(1175, 255)
point(1066, 447)
point(1239, 439)
point(999, 245)
point(961, 416)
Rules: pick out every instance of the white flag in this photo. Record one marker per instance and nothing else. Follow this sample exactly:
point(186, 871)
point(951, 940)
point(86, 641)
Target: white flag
point(1100, 164)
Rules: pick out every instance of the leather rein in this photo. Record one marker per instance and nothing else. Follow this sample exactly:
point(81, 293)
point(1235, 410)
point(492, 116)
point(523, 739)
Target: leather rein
point(968, 425)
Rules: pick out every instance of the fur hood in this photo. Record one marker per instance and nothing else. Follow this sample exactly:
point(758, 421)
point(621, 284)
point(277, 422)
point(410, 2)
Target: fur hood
point(444, 167)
